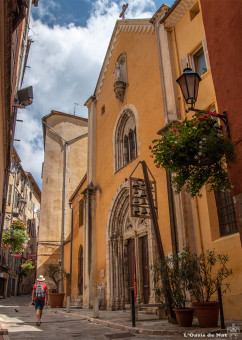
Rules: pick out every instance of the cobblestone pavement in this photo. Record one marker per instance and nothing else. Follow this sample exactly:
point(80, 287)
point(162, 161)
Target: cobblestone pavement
point(18, 316)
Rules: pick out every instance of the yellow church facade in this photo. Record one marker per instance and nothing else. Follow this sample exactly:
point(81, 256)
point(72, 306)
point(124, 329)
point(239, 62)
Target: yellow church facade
point(136, 96)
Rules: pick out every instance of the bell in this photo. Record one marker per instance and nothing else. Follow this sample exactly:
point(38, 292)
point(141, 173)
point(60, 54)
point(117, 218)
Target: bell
point(143, 201)
point(136, 191)
point(136, 200)
point(136, 211)
point(143, 194)
point(144, 211)
point(135, 185)
point(142, 184)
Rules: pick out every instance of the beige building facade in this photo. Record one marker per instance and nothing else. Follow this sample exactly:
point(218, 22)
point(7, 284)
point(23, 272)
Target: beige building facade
point(14, 49)
point(65, 162)
point(23, 202)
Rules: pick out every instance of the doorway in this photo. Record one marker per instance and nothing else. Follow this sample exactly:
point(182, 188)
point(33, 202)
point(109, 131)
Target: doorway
point(131, 268)
point(144, 254)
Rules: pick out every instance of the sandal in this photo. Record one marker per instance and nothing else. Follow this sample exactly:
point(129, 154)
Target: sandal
point(37, 323)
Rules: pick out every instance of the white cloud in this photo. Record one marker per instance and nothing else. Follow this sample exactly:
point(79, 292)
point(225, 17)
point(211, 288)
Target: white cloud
point(65, 63)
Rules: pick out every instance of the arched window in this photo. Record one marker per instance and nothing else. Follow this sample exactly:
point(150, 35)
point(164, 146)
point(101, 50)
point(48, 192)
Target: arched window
point(125, 140)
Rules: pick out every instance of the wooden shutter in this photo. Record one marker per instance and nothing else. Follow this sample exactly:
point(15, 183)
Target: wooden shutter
point(10, 194)
point(205, 50)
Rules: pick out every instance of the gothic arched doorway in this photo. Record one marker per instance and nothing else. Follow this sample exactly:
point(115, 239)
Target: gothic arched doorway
point(130, 252)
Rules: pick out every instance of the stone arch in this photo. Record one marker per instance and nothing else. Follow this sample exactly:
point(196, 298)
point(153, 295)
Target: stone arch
point(120, 229)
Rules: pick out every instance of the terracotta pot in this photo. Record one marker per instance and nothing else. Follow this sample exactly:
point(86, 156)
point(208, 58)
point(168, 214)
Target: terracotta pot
point(207, 313)
point(184, 316)
point(56, 299)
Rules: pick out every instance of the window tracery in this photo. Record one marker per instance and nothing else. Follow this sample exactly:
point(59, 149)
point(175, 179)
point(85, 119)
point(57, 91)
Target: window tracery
point(125, 140)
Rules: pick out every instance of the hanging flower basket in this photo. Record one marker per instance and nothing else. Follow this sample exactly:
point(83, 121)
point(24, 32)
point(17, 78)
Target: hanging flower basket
point(16, 237)
point(28, 266)
point(196, 152)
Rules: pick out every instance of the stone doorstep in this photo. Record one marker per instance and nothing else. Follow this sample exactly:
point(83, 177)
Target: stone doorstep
point(143, 331)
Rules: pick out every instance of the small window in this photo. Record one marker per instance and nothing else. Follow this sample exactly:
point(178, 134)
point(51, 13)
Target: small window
point(80, 213)
point(103, 110)
point(226, 213)
point(194, 11)
point(198, 59)
point(199, 62)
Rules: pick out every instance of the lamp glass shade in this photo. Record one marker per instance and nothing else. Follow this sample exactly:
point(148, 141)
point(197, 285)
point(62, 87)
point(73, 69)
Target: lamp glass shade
point(189, 83)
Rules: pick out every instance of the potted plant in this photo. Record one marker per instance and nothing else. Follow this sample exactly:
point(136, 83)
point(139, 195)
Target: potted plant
point(175, 272)
point(196, 152)
point(28, 266)
point(56, 298)
point(15, 238)
point(211, 271)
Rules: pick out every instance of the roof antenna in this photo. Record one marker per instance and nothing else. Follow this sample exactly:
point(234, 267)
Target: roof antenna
point(75, 105)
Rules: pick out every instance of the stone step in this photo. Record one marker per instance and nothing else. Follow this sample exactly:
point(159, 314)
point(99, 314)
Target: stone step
point(77, 301)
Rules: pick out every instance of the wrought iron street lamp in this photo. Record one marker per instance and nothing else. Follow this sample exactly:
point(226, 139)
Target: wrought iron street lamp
point(189, 84)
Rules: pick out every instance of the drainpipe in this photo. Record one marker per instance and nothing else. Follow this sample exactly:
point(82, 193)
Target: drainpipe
point(63, 218)
point(71, 240)
point(64, 195)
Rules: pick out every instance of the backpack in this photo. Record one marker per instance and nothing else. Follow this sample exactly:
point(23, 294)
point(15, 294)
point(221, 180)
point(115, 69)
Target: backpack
point(39, 291)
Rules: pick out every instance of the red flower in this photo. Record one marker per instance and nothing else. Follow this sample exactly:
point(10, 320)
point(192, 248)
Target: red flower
point(150, 147)
point(212, 114)
point(157, 165)
point(173, 148)
point(174, 130)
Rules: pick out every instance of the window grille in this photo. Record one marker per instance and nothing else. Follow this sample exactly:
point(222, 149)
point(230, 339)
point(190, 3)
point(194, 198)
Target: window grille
point(226, 213)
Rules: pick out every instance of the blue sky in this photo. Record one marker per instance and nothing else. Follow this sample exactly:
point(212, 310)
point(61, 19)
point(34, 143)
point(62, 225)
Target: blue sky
point(70, 39)
point(64, 12)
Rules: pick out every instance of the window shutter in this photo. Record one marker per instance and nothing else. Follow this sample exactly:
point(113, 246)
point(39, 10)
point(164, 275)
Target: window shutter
point(185, 62)
point(205, 49)
point(16, 199)
point(9, 194)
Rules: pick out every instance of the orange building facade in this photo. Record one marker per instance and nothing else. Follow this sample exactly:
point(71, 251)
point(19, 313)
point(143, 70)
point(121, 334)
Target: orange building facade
point(135, 97)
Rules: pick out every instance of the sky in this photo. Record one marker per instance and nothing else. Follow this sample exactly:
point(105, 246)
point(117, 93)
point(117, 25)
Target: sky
point(70, 39)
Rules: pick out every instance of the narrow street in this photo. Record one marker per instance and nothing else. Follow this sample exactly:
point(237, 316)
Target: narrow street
point(18, 316)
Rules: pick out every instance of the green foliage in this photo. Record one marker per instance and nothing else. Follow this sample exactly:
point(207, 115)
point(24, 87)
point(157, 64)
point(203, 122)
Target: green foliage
point(16, 237)
point(187, 272)
point(210, 274)
point(53, 271)
point(28, 266)
point(174, 274)
point(195, 151)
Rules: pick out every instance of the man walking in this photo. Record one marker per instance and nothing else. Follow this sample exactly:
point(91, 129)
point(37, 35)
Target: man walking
point(39, 297)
